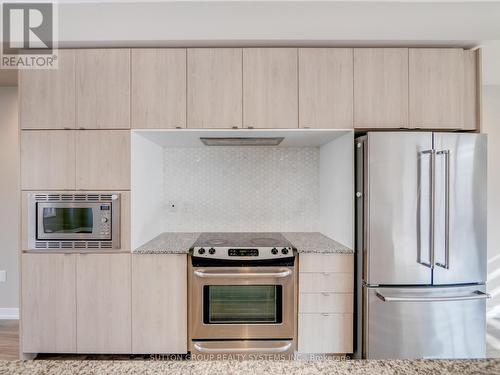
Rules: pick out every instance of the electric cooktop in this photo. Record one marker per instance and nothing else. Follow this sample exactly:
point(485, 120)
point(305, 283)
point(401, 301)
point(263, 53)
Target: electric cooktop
point(242, 245)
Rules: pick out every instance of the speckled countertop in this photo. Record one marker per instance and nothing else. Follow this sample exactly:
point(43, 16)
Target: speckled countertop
point(181, 242)
point(169, 243)
point(352, 367)
point(315, 242)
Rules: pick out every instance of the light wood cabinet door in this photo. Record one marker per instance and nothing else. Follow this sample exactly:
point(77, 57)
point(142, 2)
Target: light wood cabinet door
point(325, 88)
point(270, 88)
point(325, 333)
point(159, 303)
point(48, 303)
point(436, 88)
point(47, 97)
point(472, 90)
point(103, 88)
point(214, 87)
point(103, 303)
point(103, 160)
point(381, 88)
point(48, 159)
point(158, 88)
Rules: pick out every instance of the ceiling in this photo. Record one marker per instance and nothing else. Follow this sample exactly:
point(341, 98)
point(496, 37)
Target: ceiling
point(254, 23)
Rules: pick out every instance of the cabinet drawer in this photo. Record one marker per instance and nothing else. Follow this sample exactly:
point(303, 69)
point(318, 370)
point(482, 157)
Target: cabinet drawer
point(326, 282)
point(325, 333)
point(326, 303)
point(326, 263)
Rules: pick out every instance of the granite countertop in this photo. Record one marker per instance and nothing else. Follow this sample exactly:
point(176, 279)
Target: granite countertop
point(315, 242)
point(352, 367)
point(181, 242)
point(169, 243)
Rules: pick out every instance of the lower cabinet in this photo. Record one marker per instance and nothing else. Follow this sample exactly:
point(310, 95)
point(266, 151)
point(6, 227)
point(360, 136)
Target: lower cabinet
point(48, 303)
point(103, 303)
point(114, 303)
point(326, 303)
point(159, 310)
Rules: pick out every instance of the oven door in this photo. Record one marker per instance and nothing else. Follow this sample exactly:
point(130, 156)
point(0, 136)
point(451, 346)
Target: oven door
point(72, 221)
point(242, 303)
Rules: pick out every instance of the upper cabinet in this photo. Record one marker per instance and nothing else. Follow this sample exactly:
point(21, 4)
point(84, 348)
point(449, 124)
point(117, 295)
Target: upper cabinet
point(48, 159)
point(103, 160)
point(78, 159)
point(103, 88)
point(381, 88)
point(270, 87)
point(325, 88)
point(158, 88)
point(472, 85)
point(436, 88)
point(214, 92)
point(336, 88)
point(47, 97)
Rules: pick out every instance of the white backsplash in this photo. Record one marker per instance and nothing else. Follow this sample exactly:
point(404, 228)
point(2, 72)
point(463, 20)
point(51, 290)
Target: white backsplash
point(241, 189)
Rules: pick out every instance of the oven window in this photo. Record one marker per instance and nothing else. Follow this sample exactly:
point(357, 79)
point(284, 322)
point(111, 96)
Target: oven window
point(67, 220)
point(242, 304)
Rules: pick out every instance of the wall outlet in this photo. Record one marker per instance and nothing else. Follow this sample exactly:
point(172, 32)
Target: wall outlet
point(3, 276)
point(172, 206)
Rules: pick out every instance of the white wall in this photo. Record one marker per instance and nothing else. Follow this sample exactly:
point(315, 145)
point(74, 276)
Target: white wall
point(9, 197)
point(491, 125)
point(337, 190)
point(147, 219)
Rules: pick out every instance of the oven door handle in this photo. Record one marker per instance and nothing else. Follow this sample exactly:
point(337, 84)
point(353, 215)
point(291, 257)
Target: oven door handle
point(280, 349)
point(234, 275)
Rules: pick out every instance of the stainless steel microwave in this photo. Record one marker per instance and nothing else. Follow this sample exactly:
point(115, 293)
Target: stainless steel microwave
point(73, 221)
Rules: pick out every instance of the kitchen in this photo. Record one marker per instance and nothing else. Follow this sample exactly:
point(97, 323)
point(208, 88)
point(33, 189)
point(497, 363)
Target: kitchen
point(278, 201)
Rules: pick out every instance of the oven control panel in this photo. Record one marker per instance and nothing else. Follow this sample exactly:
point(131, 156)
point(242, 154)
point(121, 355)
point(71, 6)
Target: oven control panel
point(248, 253)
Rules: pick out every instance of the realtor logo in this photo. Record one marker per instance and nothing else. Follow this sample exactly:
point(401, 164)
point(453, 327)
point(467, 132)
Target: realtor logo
point(28, 31)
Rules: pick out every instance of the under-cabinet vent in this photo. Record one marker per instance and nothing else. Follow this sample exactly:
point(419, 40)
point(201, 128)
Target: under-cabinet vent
point(73, 197)
point(73, 245)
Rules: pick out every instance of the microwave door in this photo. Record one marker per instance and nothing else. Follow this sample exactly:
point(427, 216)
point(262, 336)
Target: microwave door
point(460, 215)
point(67, 221)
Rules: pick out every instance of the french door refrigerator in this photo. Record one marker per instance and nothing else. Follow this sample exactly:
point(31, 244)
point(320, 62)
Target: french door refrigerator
point(421, 245)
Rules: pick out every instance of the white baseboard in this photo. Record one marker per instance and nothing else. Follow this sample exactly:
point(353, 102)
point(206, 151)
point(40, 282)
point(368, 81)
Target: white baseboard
point(9, 313)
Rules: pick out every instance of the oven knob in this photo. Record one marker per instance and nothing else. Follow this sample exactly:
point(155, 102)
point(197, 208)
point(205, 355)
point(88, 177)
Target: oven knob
point(284, 251)
point(274, 251)
point(104, 220)
point(211, 251)
point(201, 251)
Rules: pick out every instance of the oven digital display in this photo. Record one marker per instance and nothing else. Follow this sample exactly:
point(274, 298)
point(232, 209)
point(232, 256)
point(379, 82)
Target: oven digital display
point(243, 252)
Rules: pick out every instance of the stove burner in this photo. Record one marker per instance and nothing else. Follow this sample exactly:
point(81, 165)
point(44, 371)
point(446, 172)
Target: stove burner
point(216, 242)
point(264, 241)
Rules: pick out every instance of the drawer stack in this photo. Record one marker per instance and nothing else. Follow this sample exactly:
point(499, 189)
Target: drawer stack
point(326, 298)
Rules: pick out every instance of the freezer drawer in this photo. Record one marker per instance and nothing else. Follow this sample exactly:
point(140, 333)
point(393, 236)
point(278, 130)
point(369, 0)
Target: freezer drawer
point(426, 322)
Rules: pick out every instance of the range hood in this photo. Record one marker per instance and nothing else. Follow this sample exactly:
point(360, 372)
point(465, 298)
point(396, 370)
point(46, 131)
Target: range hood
point(241, 141)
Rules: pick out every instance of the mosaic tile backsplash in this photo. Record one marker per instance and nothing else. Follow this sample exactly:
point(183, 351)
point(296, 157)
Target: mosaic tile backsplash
point(241, 189)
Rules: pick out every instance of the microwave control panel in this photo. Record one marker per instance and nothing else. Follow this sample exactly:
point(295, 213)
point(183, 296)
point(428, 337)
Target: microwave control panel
point(105, 215)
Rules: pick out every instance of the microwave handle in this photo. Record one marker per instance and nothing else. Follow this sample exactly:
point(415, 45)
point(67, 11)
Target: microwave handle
point(234, 275)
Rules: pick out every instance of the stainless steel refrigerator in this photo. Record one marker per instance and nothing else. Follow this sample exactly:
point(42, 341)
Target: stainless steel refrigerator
point(421, 245)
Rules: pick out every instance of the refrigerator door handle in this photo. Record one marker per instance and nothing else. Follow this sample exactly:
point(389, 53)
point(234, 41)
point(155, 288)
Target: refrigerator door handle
point(476, 295)
point(446, 154)
point(432, 166)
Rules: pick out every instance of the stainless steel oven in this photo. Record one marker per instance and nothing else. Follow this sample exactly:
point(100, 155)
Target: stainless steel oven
point(66, 220)
point(242, 298)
